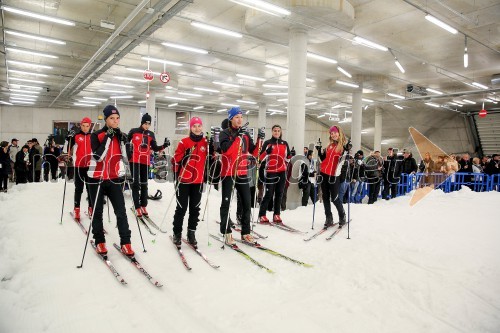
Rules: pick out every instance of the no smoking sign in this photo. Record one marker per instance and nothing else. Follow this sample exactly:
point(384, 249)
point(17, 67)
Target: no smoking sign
point(164, 77)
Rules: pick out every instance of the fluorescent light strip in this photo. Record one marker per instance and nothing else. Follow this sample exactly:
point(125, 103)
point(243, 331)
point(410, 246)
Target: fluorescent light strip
point(263, 6)
point(276, 86)
point(457, 104)
point(35, 37)
point(140, 70)
point(189, 94)
point(129, 79)
point(95, 98)
point(23, 102)
point(112, 91)
point(25, 86)
point(229, 104)
point(311, 103)
point(399, 107)
point(276, 94)
point(38, 16)
point(396, 95)
point(24, 91)
point(142, 102)
point(364, 132)
point(370, 44)
point(161, 61)
point(479, 85)
point(309, 80)
point(173, 104)
point(466, 59)
point(367, 100)
point(89, 102)
point(198, 107)
point(343, 71)
point(23, 95)
point(434, 91)
point(226, 84)
point(27, 73)
point(248, 111)
point(185, 48)
point(221, 110)
point(206, 89)
point(216, 29)
point(398, 64)
point(6, 103)
point(322, 58)
point(469, 101)
point(22, 63)
point(347, 84)
point(441, 24)
point(490, 100)
point(118, 85)
point(276, 111)
point(26, 80)
point(321, 116)
point(40, 54)
point(281, 100)
point(83, 104)
point(245, 102)
point(121, 97)
point(433, 104)
point(278, 68)
point(175, 98)
point(249, 77)
point(31, 99)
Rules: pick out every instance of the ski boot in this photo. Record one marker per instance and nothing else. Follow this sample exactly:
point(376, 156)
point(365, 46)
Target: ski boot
point(101, 248)
point(228, 239)
point(127, 250)
point(248, 239)
point(191, 238)
point(90, 211)
point(138, 212)
point(76, 213)
point(328, 222)
point(277, 219)
point(264, 220)
point(342, 221)
point(144, 211)
point(177, 239)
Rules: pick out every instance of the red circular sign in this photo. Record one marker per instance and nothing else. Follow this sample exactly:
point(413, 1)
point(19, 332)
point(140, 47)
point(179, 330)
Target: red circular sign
point(483, 113)
point(164, 77)
point(148, 75)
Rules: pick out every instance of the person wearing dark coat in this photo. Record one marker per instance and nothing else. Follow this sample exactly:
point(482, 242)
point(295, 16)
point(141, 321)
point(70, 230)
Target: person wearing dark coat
point(50, 155)
point(408, 165)
point(5, 168)
point(21, 165)
point(391, 175)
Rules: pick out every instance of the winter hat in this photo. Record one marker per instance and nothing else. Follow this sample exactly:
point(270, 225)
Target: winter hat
point(334, 129)
point(360, 152)
point(26, 146)
point(109, 110)
point(194, 121)
point(86, 120)
point(309, 152)
point(233, 112)
point(146, 118)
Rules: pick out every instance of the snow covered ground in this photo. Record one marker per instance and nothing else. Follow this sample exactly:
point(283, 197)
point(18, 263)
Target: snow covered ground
point(431, 268)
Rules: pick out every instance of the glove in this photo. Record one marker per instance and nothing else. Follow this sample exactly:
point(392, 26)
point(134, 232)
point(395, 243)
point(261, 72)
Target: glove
point(269, 149)
point(348, 146)
point(261, 133)
point(318, 145)
point(71, 133)
point(241, 131)
point(110, 133)
point(166, 143)
point(292, 152)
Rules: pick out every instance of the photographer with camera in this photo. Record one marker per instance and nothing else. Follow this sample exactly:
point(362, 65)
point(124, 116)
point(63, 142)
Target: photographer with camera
point(50, 155)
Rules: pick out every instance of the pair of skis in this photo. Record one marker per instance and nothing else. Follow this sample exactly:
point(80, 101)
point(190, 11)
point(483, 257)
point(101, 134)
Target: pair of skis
point(256, 235)
point(133, 260)
point(194, 248)
point(143, 219)
point(282, 226)
point(323, 230)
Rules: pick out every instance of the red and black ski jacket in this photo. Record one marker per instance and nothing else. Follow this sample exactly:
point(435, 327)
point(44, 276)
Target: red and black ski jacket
point(109, 155)
point(278, 158)
point(190, 158)
point(230, 147)
point(330, 159)
point(80, 149)
point(141, 143)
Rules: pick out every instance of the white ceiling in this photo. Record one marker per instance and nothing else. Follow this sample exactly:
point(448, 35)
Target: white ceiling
point(431, 56)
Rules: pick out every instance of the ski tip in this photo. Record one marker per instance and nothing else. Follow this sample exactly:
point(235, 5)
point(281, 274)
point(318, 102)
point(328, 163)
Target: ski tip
point(307, 265)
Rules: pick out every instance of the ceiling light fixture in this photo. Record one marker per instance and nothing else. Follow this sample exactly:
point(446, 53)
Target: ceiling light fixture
point(221, 110)
point(26, 80)
point(433, 104)
point(19, 86)
point(175, 98)
point(27, 73)
point(35, 37)
point(440, 24)
point(276, 86)
point(129, 79)
point(245, 102)
point(173, 104)
point(370, 44)
point(189, 94)
point(399, 107)
point(29, 64)
point(280, 100)
point(278, 68)
point(343, 71)
point(396, 95)
point(321, 116)
point(229, 104)
point(322, 58)
point(141, 102)
point(276, 94)
point(479, 85)
point(121, 97)
point(6, 103)
point(206, 89)
point(398, 64)
point(466, 54)
point(118, 85)
point(216, 29)
point(83, 104)
point(23, 95)
point(468, 101)
point(112, 91)
point(95, 98)
point(309, 80)
point(226, 84)
point(38, 16)
point(198, 107)
point(254, 78)
point(348, 84)
point(24, 91)
point(263, 6)
point(311, 103)
point(490, 100)
point(248, 111)
point(161, 61)
point(185, 48)
point(367, 100)
point(31, 98)
point(434, 91)
point(89, 102)
point(140, 70)
point(276, 111)
point(40, 54)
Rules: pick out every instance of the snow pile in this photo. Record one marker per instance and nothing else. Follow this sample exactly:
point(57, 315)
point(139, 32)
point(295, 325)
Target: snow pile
point(430, 268)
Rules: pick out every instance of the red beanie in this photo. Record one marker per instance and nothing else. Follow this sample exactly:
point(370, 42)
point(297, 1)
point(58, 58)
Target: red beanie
point(195, 120)
point(86, 120)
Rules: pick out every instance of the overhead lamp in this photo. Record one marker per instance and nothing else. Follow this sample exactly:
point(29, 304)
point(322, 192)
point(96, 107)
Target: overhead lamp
point(433, 104)
point(311, 103)
point(189, 94)
point(140, 70)
point(129, 79)
point(457, 104)
point(83, 104)
point(226, 84)
point(276, 86)
point(466, 54)
point(384, 143)
point(434, 91)
point(309, 80)
point(399, 107)
point(263, 6)
point(26, 80)
point(440, 24)
point(29, 64)
point(348, 84)
point(276, 111)
point(248, 111)
point(40, 54)
point(141, 102)
point(118, 85)
point(24, 91)
point(468, 101)
point(112, 91)
point(366, 107)
point(249, 77)
point(23, 95)
point(398, 64)
point(216, 29)
point(339, 106)
point(95, 98)
point(367, 100)
point(322, 58)
point(278, 68)
point(121, 97)
point(161, 61)
point(229, 104)
point(19, 86)
point(282, 100)
point(370, 44)
point(396, 95)
point(185, 48)
point(246, 102)
point(490, 100)
point(198, 107)
point(27, 73)
point(343, 71)
point(206, 89)
point(89, 102)
point(175, 98)
point(221, 110)
point(38, 16)
point(364, 132)
point(31, 99)
point(320, 116)
point(172, 105)
point(276, 94)
point(6, 103)
point(23, 102)
point(35, 37)
point(479, 85)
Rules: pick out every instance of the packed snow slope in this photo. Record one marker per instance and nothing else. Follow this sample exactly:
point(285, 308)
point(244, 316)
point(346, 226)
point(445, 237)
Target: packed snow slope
point(431, 268)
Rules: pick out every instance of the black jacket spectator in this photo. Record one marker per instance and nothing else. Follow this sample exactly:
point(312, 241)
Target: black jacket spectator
point(409, 165)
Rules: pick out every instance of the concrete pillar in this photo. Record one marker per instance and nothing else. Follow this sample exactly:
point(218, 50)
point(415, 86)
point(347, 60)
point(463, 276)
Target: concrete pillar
point(151, 109)
point(262, 115)
point(377, 137)
point(357, 118)
point(297, 88)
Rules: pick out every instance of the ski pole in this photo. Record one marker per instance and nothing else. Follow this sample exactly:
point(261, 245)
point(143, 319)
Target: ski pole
point(136, 217)
point(315, 185)
point(257, 166)
point(65, 182)
point(207, 167)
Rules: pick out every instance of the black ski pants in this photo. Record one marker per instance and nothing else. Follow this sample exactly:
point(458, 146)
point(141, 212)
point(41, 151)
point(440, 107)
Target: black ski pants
point(113, 190)
point(275, 184)
point(81, 180)
point(187, 194)
point(330, 186)
point(242, 187)
point(239, 208)
point(390, 185)
point(139, 184)
point(373, 190)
